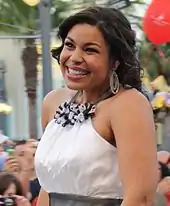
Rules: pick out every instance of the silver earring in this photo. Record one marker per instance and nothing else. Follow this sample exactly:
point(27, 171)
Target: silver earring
point(114, 82)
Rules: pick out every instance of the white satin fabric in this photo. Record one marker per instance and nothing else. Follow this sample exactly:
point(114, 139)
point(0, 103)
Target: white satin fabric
point(77, 160)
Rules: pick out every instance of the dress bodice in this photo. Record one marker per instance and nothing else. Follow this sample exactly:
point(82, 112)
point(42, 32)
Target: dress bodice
point(77, 160)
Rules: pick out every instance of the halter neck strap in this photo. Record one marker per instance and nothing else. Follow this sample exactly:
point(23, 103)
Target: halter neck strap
point(107, 94)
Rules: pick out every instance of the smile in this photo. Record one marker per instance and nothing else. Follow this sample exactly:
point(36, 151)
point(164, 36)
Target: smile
point(77, 71)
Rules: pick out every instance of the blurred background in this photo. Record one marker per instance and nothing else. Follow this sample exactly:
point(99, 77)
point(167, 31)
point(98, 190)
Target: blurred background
point(28, 31)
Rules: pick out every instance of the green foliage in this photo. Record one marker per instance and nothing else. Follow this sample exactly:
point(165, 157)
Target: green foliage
point(16, 17)
point(155, 59)
point(61, 8)
point(21, 16)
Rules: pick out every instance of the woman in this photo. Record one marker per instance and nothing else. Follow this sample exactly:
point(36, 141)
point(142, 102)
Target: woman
point(11, 188)
point(100, 145)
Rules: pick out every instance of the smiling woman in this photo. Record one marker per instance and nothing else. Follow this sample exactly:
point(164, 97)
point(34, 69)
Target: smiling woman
point(91, 52)
point(99, 145)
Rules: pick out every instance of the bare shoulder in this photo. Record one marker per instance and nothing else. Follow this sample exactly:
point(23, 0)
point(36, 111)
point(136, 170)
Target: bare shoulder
point(53, 95)
point(51, 101)
point(129, 102)
point(57, 94)
point(56, 97)
point(131, 116)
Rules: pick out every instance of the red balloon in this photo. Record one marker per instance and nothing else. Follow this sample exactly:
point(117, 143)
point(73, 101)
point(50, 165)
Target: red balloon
point(156, 22)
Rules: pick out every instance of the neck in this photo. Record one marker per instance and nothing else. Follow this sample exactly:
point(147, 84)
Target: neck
point(92, 95)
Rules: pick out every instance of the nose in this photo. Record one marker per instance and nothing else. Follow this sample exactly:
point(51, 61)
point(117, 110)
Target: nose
point(77, 56)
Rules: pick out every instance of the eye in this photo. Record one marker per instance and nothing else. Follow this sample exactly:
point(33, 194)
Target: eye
point(21, 154)
point(91, 50)
point(68, 44)
point(11, 194)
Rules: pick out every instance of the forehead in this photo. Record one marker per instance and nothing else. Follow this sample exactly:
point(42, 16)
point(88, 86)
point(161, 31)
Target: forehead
point(86, 33)
point(20, 147)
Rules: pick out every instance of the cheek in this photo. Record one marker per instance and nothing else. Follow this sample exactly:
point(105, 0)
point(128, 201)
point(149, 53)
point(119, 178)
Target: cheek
point(11, 190)
point(64, 56)
point(99, 67)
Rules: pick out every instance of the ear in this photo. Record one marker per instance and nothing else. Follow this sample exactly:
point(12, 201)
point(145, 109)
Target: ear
point(115, 64)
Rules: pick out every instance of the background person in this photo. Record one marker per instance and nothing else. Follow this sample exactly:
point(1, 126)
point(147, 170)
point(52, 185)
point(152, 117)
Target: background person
point(21, 164)
point(11, 187)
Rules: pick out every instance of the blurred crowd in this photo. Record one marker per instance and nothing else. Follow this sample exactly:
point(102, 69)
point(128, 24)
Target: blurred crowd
point(164, 178)
point(18, 182)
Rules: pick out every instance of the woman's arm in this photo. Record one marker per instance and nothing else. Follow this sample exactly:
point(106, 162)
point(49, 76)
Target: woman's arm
point(134, 130)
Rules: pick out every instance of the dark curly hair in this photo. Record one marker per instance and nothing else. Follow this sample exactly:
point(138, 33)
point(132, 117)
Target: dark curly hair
point(165, 172)
point(118, 35)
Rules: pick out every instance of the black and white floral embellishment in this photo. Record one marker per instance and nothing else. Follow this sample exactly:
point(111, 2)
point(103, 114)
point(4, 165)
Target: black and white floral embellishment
point(70, 113)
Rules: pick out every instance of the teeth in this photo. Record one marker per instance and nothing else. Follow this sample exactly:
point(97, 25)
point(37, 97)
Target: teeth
point(76, 72)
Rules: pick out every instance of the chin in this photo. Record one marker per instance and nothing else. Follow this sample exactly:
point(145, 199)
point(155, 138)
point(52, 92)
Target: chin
point(76, 86)
point(71, 87)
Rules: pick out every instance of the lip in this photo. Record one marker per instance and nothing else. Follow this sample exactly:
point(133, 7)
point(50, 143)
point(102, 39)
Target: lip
point(76, 68)
point(76, 77)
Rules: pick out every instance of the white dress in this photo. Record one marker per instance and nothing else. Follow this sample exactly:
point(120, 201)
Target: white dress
point(77, 161)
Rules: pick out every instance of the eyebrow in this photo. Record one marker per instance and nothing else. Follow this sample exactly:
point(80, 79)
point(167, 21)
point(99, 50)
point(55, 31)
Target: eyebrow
point(87, 44)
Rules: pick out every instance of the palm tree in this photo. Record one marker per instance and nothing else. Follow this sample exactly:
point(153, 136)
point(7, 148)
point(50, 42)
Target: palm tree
point(155, 59)
point(20, 19)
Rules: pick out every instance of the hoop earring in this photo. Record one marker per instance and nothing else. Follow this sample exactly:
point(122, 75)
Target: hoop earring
point(114, 82)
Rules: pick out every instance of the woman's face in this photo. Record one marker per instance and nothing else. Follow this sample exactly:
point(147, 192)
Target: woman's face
point(11, 190)
point(84, 59)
